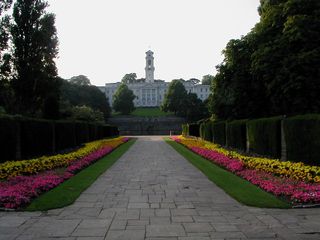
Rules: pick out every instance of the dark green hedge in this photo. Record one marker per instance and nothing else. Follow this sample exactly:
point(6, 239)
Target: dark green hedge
point(81, 132)
point(23, 138)
point(264, 136)
point(36, 137)
point(8, 138)
point(206, 131)
point(65, 135)
point(194, 129)
point(219, 132)
point(236, 134)
point(302, 135)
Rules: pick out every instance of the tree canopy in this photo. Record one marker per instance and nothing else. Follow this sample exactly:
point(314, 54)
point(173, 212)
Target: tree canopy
point(123, 100)
point(183, 104)
point(80, 80)
point(75, 93)
point(129, 78)
point(174, 98)
point(275, 68)
point(5, 56)
point(35, 46)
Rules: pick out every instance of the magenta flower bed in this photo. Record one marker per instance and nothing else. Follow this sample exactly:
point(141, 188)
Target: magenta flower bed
point(297, 192)
point(19, 191)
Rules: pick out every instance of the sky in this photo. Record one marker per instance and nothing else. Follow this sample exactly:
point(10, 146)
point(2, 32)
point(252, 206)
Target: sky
point(105, 39)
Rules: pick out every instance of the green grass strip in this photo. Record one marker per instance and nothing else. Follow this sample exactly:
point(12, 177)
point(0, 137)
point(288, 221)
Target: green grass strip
point(238, 188)
point(67, 192)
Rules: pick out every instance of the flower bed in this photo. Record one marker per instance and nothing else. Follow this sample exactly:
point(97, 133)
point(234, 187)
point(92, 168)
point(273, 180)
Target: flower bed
point(300, 188)
point(33, 166)
point(19, 190)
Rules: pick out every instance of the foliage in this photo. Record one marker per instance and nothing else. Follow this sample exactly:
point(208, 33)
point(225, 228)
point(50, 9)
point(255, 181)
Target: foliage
point(264, 136)
point(185, 130)
point(236, 136)
point(18, 191)
point(5, 57)
point(193, 108)
point(194, 129)
point(293, 187)
point(298, 171)
point(8, 137)
point(36, 137)
point(149, 112)
point(27, 137)
point(129, 78)
point(174, 98)
point(123, 100)
point(80, 80)
point(85, 113)
point(206, 130)
point(207, 79)
point(35, 46)
point(276, 63)
point(33, 166)
point(76, 93)
point(219, 132)
point(302, 138)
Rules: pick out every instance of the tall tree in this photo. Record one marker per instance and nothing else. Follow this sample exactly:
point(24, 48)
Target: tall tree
point(123, 100)
point(174, 98)
point(5, 57)
point(35, 47)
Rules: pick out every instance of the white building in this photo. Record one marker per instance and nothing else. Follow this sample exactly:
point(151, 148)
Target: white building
point(151, 92)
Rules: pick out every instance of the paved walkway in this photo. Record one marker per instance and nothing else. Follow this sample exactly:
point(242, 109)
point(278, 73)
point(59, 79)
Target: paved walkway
point(154, 193)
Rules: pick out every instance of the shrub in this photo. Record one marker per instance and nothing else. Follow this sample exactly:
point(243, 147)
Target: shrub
point(264, 136)
point(302, 138)
point(8, 138)
point(236, 134)
point(219, 132)
point(194, 129)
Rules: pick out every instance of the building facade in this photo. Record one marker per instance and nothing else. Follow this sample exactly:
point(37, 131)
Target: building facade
point(151, 93)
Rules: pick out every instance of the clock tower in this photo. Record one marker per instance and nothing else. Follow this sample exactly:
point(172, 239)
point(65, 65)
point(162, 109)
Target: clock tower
point(149, 67)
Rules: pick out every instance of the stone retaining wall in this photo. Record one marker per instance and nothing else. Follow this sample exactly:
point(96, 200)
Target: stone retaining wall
point(129, 125)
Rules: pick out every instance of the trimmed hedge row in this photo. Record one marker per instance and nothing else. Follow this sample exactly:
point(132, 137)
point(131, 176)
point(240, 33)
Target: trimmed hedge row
point(236, 134)
point(194, 129)
point(302, 136)
point(264, 136)
point(23, 138)
point(298, 138)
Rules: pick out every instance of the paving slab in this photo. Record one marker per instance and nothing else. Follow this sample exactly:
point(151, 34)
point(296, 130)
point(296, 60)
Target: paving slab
point(153, 193)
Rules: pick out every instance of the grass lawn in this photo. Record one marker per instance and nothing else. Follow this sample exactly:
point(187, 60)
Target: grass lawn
point(238, 188)
point(147, 112)
point(67, 192)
